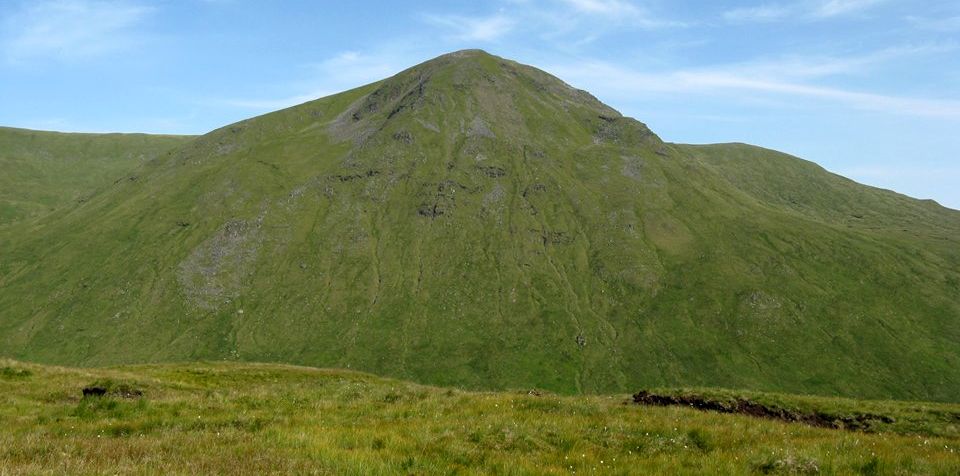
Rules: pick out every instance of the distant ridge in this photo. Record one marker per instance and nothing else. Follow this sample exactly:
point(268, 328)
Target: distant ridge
point(42, 171)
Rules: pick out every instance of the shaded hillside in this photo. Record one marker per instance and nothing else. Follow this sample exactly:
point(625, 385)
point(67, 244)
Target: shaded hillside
point(476, 222)
point(42, 171)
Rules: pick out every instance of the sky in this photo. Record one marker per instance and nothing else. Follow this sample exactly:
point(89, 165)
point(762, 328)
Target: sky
point(869, 89)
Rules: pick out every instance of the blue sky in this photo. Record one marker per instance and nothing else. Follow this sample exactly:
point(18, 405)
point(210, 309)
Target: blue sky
point(867, 88)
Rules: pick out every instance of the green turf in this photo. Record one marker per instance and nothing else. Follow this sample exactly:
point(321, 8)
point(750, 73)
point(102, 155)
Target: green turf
point(475, 222)
point(220, 418)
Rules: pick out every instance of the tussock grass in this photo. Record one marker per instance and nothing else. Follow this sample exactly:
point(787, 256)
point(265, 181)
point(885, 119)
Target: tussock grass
point(256, 419)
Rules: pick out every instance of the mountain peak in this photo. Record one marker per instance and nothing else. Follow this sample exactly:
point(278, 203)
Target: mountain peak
point(467, 53)
point(459, 57)
point(472, 90)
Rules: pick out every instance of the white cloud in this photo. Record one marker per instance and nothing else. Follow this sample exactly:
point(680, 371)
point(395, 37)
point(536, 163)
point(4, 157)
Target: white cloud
point(786, 80)
point(552, 20)
point(69, 30)
point(464, 28)
point(621, 12)
point(806, 10)
point(758, 14)
point(806, 67)
point(351, 69)
point(859, 100)
point(604, 7)
point(340, 72)
point(832, 8)
point(268, 104)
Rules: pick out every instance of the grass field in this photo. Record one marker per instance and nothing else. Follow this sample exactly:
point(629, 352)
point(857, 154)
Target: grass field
point(254, 419)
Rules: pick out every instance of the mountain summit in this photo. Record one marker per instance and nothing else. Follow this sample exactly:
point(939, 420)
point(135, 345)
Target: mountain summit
point(477, 222)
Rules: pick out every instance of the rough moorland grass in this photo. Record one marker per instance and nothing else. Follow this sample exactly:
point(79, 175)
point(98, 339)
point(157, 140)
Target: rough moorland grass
point(255, 419)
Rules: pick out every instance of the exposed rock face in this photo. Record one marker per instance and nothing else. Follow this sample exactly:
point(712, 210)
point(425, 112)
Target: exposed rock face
point(214, 272)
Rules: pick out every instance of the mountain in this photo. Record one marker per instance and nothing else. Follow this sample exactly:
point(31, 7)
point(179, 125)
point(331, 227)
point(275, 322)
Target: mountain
point(43, 171)
point(476, 222)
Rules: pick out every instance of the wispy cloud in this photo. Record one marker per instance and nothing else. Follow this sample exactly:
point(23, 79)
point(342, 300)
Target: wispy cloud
point(272, 104)
point(805, 10)
point(69, 30)
point(833, 8)
point(489, 28)
point(340, 72)
point(620, 11)
point(788, 78)
point(811, 67)
point(758, 14)
point(551, 20)
point(351, 69)
point(605, 7)
point(860, 100)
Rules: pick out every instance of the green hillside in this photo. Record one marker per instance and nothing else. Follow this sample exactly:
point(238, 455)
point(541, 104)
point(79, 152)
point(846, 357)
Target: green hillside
point(476, 222)
point(43, 171)
point(222, 418)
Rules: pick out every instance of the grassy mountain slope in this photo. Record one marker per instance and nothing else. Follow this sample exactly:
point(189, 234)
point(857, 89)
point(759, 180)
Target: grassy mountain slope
point(476, 222)
point(259, 419)
point(43, 171)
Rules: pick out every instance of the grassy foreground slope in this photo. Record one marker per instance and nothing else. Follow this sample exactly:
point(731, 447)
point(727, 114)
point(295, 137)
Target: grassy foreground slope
point(256, 419)
point(473, 221)
point(42, 171)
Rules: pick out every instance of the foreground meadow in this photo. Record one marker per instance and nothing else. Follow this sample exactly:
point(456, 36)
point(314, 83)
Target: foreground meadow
point(252, 419)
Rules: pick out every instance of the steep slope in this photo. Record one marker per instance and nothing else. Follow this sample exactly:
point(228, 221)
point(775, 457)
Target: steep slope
point(476, 222)
point(43, 171)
